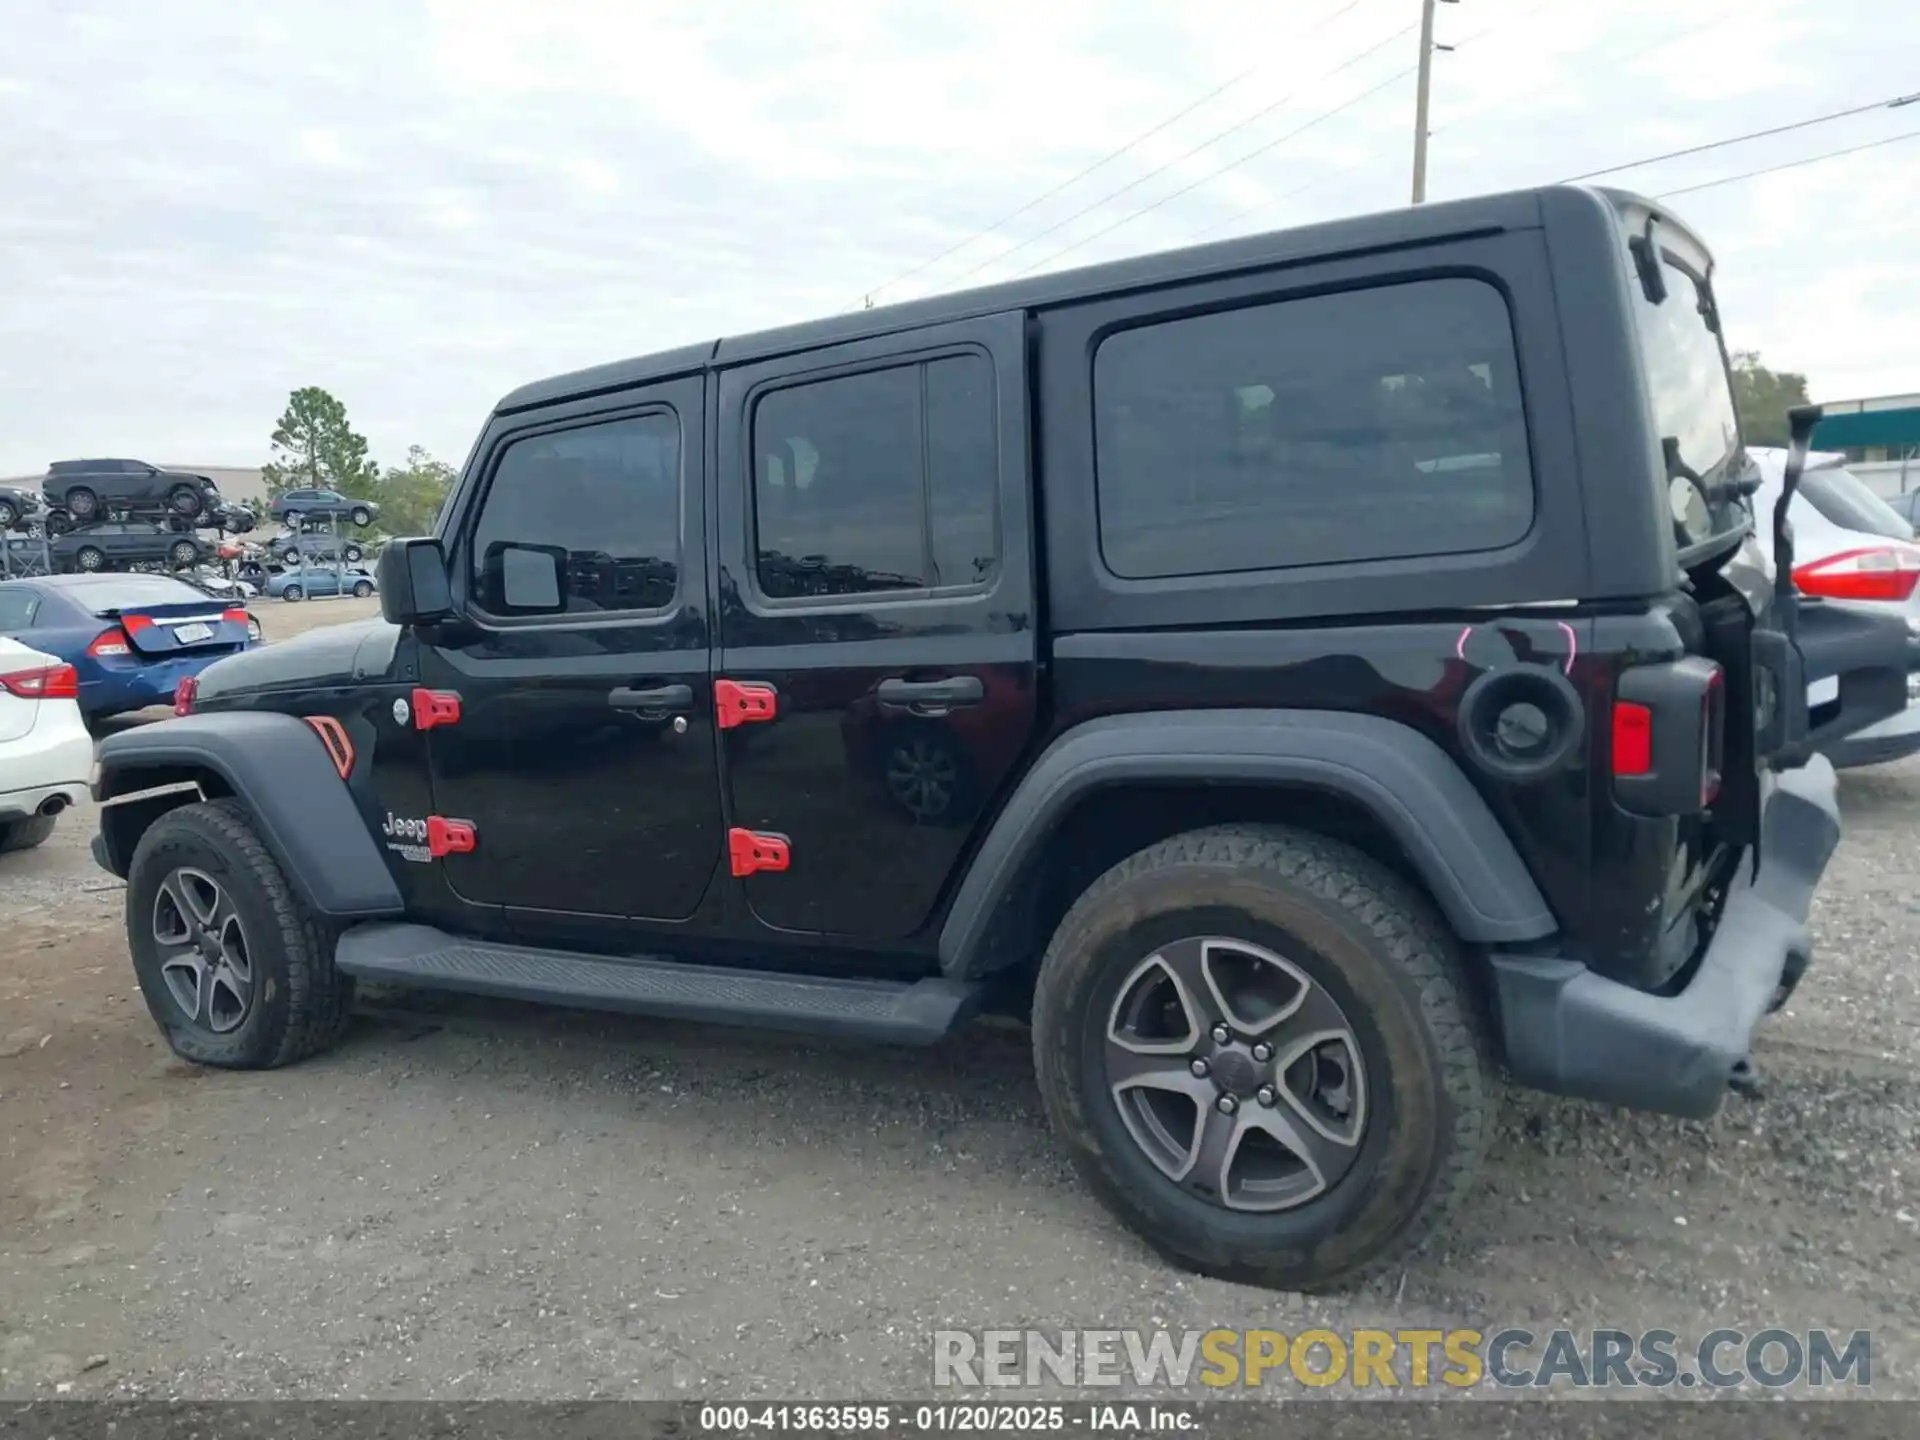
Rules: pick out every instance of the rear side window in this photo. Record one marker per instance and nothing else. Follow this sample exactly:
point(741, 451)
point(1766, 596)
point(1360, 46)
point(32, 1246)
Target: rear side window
point(1367, 425)
point(16, 609)
point(878, 481)
point(601, 500)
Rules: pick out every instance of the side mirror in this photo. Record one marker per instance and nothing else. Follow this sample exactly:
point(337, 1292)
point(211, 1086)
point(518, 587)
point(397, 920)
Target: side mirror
point(413, 582)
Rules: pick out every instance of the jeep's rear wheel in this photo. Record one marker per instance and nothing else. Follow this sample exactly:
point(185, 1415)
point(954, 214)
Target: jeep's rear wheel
point(234, 970)
point(1259, 1049)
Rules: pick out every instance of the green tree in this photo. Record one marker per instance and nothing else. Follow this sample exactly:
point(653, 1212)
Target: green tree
point(410, 495)
point(314, 446)
point(1762, 397)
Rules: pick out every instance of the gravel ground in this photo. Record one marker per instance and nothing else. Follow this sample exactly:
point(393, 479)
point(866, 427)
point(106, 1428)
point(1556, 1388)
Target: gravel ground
point(473, 1200)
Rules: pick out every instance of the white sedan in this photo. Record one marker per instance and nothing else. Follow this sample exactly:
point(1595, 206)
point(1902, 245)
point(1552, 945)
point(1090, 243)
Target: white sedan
point(45, 750)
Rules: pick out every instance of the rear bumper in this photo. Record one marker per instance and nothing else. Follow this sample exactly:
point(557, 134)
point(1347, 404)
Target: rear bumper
point(1572, 1032)
point(135, 687)
point(48, 761)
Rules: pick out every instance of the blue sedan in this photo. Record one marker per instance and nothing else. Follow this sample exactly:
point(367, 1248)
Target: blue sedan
point(132, 638)
point(317, 580)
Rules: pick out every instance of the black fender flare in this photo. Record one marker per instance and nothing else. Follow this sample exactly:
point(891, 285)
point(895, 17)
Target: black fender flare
point(1397, 774)
point(277, 766)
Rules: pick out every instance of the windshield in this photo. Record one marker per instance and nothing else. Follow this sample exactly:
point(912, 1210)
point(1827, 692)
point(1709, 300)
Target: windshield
point(1678, 325)
point(1843, 499)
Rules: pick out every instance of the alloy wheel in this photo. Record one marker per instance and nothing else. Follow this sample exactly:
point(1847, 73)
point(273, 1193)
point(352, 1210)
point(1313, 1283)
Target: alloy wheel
point(1238, 1075)
point(205, 959)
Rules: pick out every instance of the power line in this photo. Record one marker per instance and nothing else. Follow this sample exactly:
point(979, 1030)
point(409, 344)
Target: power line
point(1472, 116)
point(1790, 164)
point(1105, 160)
point(1134, 215)
point(1891, 104)
point(1210, 141)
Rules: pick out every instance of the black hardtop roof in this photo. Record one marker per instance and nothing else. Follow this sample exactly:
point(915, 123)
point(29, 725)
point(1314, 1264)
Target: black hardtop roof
point(1383, 230)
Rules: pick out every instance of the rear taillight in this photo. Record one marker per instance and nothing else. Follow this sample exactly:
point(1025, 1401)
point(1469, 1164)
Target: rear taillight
point(234, 615)
point(183, 694)
point(110, 642)
point(1880, 572)
point(134, 624)
point(1632, 738)
point(49, 682)
point(1669, 736)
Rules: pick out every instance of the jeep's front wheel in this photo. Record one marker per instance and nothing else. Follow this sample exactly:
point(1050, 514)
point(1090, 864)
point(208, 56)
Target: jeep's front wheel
point(234, 970)
point(1258, 1046)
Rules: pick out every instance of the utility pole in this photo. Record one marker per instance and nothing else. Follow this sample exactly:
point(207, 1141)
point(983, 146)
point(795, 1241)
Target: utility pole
point(1421, 95)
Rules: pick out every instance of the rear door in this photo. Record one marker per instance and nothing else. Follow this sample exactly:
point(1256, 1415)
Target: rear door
point(582, 751)
point(877, 604)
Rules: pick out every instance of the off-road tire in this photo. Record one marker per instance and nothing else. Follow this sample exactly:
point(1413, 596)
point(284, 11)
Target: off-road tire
point(1376, 945)
point(301, 1004)
point(25, 833)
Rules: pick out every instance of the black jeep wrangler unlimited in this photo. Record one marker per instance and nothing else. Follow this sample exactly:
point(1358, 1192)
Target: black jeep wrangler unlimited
point(1303, 673)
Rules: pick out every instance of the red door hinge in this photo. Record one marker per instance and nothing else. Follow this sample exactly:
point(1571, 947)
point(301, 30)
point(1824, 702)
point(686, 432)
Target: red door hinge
point(449, 837)
point(738, 702)
point(756, 850)
point(435, 707)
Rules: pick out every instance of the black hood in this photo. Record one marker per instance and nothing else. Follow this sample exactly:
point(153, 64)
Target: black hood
point(354, 653)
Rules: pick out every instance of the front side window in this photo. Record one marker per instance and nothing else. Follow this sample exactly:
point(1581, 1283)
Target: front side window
point(1365, 425)
point(879, 481)
point(582, 521)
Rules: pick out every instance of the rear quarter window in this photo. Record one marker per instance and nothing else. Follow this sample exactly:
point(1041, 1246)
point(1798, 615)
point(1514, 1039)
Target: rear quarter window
point(1370, 424)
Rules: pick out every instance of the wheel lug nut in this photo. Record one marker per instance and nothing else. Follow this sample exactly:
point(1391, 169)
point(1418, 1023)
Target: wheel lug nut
point(1267, 1095)
point(1263, 1052)
point(1227, 1104)
point(1199, 1069)
point(1221, 1034)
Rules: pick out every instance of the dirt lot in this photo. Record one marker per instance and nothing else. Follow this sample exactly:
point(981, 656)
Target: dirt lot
point(474, 1200)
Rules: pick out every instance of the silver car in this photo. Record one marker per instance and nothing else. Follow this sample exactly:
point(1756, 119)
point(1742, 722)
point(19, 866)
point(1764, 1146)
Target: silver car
point(1849, 545)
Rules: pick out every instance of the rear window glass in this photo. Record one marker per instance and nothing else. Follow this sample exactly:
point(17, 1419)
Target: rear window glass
point(117, 592)
point(1843, 499)
point(1367, 425)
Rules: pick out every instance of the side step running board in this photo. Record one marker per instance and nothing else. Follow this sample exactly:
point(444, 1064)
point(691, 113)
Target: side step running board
point(882, 1010)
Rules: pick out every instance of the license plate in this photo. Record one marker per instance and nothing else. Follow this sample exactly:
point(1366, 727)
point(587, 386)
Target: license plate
point(189, 634)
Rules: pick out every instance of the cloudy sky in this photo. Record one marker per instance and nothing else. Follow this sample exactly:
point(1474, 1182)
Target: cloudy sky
point(421, 203)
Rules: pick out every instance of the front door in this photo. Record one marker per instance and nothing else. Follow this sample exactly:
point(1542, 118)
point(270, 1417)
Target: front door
point(877, 576)
point(582, 751)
